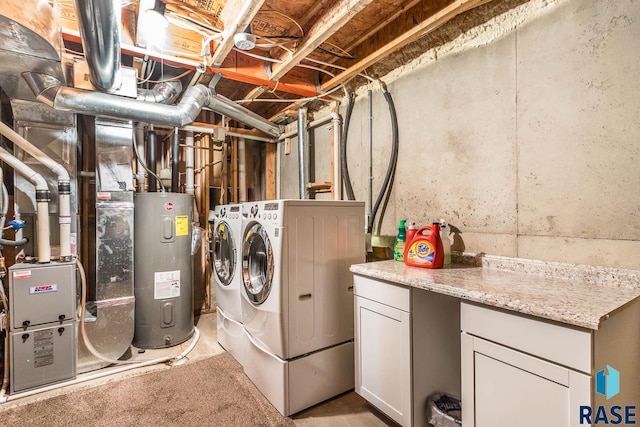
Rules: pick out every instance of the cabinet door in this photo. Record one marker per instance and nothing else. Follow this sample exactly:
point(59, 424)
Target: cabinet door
point(503, 387)
point(383, 358)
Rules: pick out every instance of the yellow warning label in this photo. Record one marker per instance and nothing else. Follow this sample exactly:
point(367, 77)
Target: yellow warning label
point(182, 225)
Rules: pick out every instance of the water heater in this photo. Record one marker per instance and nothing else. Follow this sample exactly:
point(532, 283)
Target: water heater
point(163, 284)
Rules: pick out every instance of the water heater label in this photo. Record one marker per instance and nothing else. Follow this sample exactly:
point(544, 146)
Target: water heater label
point(43, 289)
point(166, 284)
point(182, 225)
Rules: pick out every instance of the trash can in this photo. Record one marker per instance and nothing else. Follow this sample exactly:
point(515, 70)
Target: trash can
point(444, 410)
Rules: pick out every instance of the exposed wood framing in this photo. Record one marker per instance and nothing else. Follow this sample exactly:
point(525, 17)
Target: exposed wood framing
point(234, 170)
point(270, 171)
point(236, 17)
point(429, 24)
point(434, 21)
point(332, 21)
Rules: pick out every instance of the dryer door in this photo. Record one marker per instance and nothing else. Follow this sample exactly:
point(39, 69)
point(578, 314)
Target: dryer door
point(257, 264)
point(224, 253)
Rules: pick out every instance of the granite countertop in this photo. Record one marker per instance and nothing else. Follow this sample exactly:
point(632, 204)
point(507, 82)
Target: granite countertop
point(577, 295)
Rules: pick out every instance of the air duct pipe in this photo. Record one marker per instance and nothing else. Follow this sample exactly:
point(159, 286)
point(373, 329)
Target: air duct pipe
point(64, 187)
point(42, 202)
point(50, 91)
point(99, 25)
point(302, 139)
point(189, 188)
point(162, 93)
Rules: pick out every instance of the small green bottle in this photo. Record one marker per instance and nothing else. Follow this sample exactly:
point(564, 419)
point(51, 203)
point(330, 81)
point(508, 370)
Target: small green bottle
point(398, 244)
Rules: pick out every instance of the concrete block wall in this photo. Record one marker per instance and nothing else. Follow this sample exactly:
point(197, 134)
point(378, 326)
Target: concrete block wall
point(529, 145)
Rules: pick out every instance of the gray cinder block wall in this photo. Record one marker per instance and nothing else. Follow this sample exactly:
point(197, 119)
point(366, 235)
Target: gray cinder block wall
point(524, 134)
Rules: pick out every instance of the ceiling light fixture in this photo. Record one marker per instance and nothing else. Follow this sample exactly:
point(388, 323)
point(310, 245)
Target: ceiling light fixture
point(245, 40)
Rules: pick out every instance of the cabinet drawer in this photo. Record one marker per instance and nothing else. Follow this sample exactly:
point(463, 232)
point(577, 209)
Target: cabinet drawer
point(382, 292)
point(564, 345)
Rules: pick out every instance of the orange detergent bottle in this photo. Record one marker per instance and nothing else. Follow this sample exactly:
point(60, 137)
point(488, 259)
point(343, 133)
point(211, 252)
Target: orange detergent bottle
point(425, 248)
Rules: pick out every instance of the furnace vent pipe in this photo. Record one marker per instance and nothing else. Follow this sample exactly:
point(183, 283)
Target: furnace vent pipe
point(42, 202)
point(64, 187)
point(49, 90)
point(99, 25)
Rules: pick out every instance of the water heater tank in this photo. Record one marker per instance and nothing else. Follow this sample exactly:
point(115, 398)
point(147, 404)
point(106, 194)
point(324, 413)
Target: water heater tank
point(163, 283)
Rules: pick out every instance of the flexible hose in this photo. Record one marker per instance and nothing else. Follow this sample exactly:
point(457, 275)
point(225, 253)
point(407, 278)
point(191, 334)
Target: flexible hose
point(144, 165)
point(5, 206)
point(385, 189)
point(93, 351)
point(5, 242)
point(391, 169)
point(343, 150)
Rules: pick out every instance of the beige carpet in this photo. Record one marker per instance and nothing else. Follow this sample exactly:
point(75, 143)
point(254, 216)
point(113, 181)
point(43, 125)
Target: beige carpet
point(210, 392)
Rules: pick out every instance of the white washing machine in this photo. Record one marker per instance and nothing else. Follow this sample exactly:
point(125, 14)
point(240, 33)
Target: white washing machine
point(297, 298)
point(226, 260)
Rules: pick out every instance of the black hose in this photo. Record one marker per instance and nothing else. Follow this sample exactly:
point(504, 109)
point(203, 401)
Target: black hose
point(5, 242)
point(143, 164)
point(385, 190)
point(343, 150)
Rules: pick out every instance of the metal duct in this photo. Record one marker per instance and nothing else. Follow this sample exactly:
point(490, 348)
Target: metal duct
point(162, 93)
point(49, 91)
point(99, 25)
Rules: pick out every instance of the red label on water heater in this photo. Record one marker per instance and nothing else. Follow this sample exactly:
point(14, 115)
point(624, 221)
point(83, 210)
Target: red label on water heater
point(168, 206)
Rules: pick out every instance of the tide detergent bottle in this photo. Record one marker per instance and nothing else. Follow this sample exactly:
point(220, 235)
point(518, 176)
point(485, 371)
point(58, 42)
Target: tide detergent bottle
point(425, 248)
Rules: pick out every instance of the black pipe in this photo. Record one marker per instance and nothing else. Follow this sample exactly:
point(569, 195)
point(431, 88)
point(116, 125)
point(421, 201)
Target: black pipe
point(385, 190)
point(175, 160)
point(343, 150)
point(151, 159)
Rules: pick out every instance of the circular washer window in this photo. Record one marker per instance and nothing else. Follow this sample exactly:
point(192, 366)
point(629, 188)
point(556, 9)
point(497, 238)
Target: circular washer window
point(224, 249)
point(257, 264)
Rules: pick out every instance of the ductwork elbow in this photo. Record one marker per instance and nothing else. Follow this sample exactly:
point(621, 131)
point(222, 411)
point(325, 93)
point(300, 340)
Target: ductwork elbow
point(162, 93)
point(43, 86)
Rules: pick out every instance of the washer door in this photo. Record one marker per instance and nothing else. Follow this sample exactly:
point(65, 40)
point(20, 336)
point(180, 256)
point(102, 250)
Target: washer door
point(224, 253)
point(257, 264)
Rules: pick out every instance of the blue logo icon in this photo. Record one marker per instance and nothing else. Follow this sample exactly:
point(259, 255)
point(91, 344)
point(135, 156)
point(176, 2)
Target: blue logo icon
point(608, 384)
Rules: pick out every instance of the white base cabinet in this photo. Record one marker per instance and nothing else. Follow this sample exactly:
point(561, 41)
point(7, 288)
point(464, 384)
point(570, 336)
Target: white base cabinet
point(407, 348)
point(525, 371)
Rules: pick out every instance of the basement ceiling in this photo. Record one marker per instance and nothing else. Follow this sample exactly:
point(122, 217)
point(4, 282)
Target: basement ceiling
point(304, 49)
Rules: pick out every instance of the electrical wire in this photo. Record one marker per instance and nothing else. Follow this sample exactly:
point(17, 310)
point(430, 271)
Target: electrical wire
point(143, 164)
point(284, 16)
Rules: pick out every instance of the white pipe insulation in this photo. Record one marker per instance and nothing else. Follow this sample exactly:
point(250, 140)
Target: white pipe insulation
point(189, 163)
point(42, 202)
point(64, 187)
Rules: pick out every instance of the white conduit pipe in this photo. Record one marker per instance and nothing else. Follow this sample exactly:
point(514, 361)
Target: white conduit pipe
point(42, 202)
point(64, 187)
point(336, 122)
point(189, 162)
point(242, 170)
point(141, 173)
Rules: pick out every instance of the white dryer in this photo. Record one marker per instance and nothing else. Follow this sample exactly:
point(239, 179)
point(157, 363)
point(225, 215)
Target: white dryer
point(226, 259)
point(297, 298)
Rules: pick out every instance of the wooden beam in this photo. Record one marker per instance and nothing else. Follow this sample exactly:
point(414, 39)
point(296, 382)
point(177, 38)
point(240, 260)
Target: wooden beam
point(270, 171)
point(426, 26)
point(236, 16)
point(334, 19)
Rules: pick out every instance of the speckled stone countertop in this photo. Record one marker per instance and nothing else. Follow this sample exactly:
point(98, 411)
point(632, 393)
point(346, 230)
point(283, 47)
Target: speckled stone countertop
point(578, 295)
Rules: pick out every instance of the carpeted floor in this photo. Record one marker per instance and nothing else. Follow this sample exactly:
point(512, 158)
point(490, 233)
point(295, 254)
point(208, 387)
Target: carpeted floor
point(210, 392)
